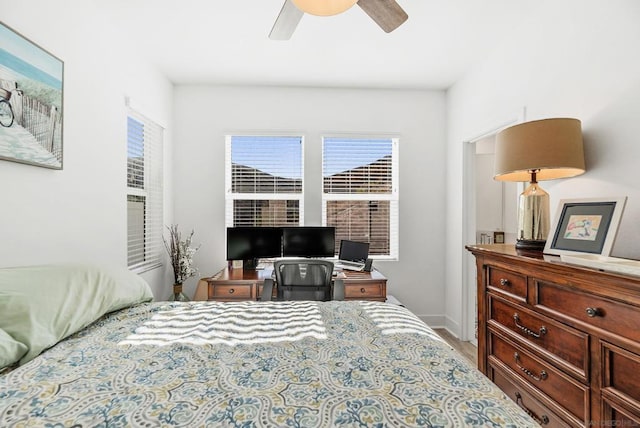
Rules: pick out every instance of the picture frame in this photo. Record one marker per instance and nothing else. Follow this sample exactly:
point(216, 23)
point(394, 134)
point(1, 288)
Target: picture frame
point(498, 237)
point(585, 226)
point(31, 102)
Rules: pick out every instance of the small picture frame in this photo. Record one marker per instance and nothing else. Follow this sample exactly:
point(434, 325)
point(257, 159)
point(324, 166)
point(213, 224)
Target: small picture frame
point(498, 237)
point(585, 226)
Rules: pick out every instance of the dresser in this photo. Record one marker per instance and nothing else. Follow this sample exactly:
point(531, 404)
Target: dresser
point(245, 284)
point(561, 340)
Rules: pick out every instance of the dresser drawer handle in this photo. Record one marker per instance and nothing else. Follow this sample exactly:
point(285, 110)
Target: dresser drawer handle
point(544, 420)
point(232, 290)
point(542, 376)
point(363, 290)
point(504, 282)
point(594, 312)
point(542, 331)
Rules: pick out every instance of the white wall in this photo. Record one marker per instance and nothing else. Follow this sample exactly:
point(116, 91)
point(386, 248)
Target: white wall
point(204, 114)
point(79, 213)
point(576, 59)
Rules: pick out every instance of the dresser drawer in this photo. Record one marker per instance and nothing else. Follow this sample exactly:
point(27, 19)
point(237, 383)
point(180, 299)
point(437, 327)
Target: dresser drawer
point(564, 390)
point(514, 389)
point(364, 290)
point(621, 371)
point(231, 292)
point(618, 417)
point(563, 342)
point(510, 283)
point(611, 316)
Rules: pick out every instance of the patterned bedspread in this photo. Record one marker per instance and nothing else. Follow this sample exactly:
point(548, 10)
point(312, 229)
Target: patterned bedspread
point(245, 364)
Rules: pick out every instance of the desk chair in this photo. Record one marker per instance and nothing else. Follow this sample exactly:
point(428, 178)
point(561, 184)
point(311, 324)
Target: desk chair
point(303, 279)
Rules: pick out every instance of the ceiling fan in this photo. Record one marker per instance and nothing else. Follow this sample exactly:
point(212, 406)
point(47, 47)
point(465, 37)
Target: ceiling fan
point(386, 13)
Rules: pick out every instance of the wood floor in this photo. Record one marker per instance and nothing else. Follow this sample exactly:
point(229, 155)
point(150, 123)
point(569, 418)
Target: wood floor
point(467, 349)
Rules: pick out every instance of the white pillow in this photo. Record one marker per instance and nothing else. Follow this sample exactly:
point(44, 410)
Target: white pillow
point(10, 350)
point(41, 305)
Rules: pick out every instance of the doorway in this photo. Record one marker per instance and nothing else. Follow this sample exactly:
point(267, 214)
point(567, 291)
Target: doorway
point(496, 213)
point(489, 206)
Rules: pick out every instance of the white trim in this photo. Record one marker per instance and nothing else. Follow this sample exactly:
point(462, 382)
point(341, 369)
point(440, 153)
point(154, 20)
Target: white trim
point(361, 135)
point(392, 197)
point(230, 196)
point(433, 321)
point(262, 196)
point(149, 247)
point(467, 321)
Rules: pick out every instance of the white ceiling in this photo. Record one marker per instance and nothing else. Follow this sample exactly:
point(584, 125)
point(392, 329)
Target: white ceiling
point(226, 42)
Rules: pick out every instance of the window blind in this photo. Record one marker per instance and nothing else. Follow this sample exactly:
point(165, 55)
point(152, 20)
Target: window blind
point(144, 192)
point(264, 180)
point(360, 192)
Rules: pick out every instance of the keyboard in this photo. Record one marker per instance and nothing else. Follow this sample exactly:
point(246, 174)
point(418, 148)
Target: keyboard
point(348, 265)
point(264, 265)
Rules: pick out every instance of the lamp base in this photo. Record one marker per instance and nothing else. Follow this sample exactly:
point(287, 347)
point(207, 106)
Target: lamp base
point(530, 244)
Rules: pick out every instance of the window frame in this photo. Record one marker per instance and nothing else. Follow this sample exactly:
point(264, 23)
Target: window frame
point(231, 196)
point(152, 191)
point(393, 197)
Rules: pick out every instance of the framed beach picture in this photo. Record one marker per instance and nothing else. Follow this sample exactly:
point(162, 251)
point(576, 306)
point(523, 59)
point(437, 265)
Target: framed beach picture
point(585, 226)
point(31, 88)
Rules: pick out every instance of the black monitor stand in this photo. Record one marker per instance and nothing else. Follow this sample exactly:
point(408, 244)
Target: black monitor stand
point(250, 264)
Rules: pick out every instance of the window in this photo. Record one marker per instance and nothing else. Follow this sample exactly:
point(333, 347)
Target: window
point(264, 181)
point(144, 193)
point(360, 192)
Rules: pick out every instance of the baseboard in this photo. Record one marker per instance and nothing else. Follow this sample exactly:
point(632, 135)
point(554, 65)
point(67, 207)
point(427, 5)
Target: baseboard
point(453, 327)
point(433, 321)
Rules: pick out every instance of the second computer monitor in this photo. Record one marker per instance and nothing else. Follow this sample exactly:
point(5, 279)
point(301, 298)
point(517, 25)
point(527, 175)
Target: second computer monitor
point(354, 251)
point(308, 241)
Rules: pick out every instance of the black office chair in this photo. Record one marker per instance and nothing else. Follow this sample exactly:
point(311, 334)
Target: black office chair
point(303, 279)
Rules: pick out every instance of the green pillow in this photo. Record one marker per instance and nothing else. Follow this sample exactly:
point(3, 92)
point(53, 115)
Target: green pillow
point(10, 350)
point(41, 305)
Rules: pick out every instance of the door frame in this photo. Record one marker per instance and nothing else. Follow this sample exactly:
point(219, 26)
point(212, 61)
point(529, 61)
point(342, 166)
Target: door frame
point(469, 222)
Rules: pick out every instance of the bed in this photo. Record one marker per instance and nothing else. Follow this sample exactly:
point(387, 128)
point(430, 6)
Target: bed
point(244, 364)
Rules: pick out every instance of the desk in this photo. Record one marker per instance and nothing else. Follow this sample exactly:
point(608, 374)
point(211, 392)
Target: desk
point(238, 284)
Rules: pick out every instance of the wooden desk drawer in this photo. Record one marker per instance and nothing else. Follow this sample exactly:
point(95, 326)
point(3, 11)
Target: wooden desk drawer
point(507, 282)
point(621, 369)
point(609, 315)
point(566, 391)
point(527, 402)
point(561, 341)
point(371, 290)
point(231, 292)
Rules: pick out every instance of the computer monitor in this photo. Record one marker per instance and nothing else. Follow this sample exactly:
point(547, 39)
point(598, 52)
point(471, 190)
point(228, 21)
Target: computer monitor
point(251, 243)
point(353, 251)
point(309, 241)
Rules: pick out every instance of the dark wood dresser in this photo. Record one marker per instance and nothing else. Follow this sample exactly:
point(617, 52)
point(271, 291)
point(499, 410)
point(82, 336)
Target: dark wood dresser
point(561, 340)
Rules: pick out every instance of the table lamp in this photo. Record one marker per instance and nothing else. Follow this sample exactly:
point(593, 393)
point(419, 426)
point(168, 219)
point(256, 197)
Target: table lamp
point(535, 151)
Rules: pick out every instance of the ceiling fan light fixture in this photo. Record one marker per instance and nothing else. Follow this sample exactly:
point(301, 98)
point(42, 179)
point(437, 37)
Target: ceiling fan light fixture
point(324, 7)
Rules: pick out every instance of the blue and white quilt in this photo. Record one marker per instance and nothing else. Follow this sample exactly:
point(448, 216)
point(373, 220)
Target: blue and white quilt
point(254, 364)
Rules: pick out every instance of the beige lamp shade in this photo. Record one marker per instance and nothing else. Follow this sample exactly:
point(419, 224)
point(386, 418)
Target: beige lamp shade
point(550, 147)
point(324, 7)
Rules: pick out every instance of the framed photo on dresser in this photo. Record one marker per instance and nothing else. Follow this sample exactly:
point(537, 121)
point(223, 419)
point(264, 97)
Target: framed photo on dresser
point(585, 226)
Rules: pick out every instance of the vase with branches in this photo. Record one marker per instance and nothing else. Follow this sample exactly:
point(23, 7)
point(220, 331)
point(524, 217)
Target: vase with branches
point(181, 254)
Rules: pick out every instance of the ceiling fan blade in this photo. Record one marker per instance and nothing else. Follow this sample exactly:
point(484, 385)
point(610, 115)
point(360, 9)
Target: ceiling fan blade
point(386, 13)
point(286, 22)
